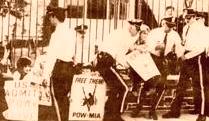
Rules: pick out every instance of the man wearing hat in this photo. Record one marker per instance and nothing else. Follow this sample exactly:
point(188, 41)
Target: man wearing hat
point(112, 52)
point(169, 12)
point(193, 66)
point(59, 65)
point(163, 43)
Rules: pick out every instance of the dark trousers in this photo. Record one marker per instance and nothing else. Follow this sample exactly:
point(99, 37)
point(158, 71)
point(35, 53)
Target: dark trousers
point(3, 103)
point(194, 68)
point(62, 77)
point(156, 82)
point(115, 84)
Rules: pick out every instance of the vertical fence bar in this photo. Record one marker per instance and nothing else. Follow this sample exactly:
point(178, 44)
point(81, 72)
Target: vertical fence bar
point(116, 13)
point(29, 34)
point(103, 23)
point(70, 11)
point(36, 35)
point(90, 9)
point(208, 13)
point(172, 3)
point(177, 9)
point(84, 16)
point(152, 12)
point(109, 10)
point(23, 31)
point(177, 15)
point(125, 12)
point(8, 30)
point(76, 25)
point(97, 14)
point(140, 8)
point(147, 8)
point(2, 29)
point(196, 5)
point(14, 37)
point(44, 14)
point(159, 11)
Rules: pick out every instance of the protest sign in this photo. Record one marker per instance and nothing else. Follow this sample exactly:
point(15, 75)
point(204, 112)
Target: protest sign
point(143, 64)
point(22, 100)
point(88, 96)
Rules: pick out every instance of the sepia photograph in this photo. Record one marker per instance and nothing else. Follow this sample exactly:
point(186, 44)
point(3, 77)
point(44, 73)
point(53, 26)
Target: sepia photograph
point(104, 60)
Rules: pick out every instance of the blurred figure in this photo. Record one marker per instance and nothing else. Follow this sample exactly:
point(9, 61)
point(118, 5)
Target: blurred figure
point(113, 51)
point(193, 66)
point(163, 43)
point(59, 67)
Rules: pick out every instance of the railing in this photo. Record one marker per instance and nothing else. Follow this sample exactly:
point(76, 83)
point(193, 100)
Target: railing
point(23, 20)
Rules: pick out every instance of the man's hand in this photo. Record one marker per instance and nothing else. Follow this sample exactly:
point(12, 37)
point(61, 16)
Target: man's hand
point(46, 80)
point(183, 58)
point(160, 47)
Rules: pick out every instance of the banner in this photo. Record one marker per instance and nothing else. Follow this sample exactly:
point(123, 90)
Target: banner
point(143, 64)
point(88, 97)
point(22, 100)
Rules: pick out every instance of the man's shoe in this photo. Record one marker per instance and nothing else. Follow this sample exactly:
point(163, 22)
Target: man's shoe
point(171, 115)
point(113, 118)
point(118, 118)
point(109, 118)
point(136, 111)
point(193, 112)
point(201, 118)
point(153, 115)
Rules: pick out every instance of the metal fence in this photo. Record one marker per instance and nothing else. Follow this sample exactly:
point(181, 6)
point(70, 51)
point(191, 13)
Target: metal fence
point(24, 26)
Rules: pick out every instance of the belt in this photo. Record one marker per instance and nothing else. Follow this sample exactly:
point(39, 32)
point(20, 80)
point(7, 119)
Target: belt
point(65, 62)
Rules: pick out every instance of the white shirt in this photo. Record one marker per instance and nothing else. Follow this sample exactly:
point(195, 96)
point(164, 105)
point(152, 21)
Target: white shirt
point(196, 40)
point(207, 41)
point(117, 44)
point(61, 46)
point(156, 38)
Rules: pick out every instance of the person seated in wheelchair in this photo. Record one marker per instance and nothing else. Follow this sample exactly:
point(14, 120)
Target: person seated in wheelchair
point(161, 43)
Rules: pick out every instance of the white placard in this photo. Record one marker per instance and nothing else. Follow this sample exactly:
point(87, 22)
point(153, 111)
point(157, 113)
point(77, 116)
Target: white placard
point(88, 97)
point(22, 100)
point(143, 64)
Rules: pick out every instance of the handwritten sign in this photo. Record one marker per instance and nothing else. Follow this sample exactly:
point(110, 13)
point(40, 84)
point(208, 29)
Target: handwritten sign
point(88, 96)
point(143, 64)
point(22, 100)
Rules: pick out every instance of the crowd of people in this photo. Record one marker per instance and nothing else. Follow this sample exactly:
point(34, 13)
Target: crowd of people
point(187, 45)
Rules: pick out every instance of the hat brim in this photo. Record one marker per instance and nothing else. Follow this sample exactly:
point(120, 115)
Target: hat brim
point(189, 15)
point(170, 24)
point(135, 23)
